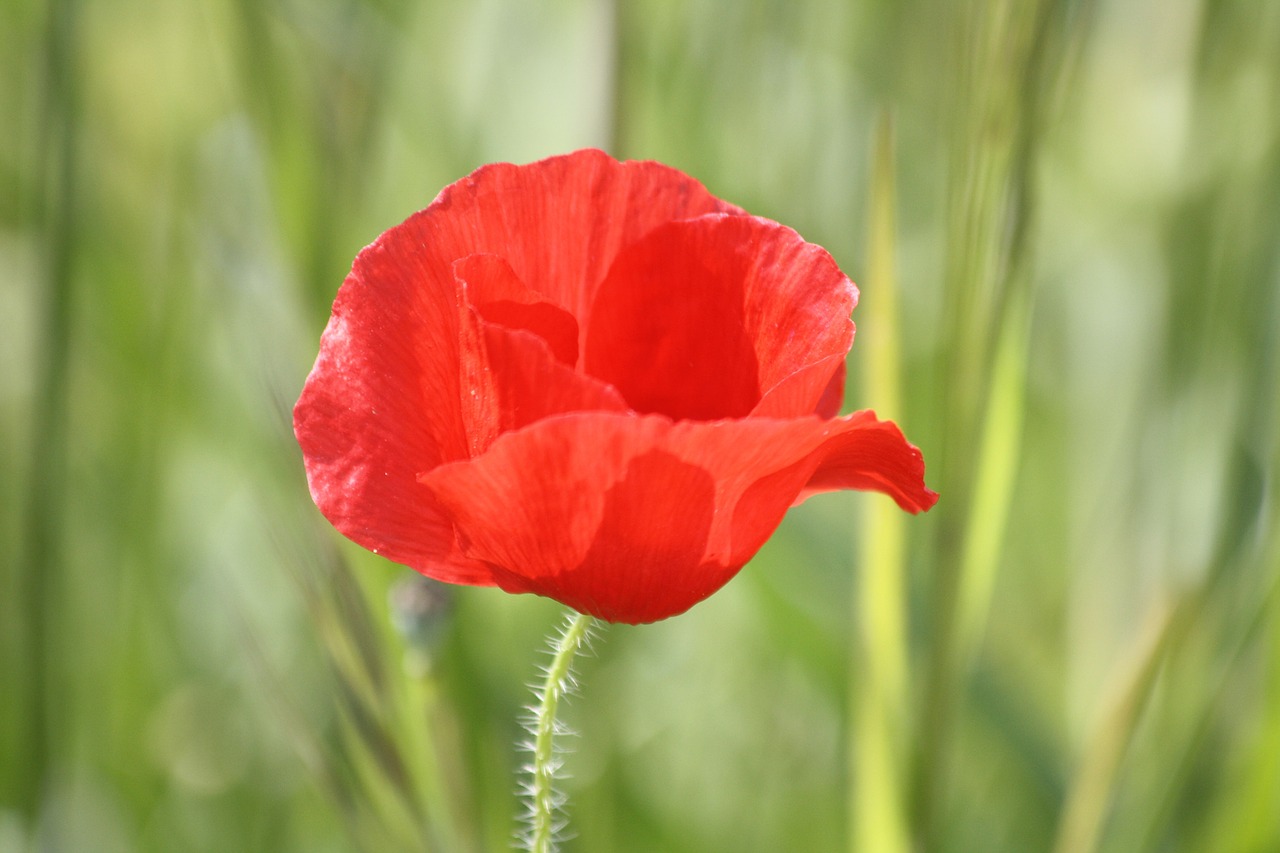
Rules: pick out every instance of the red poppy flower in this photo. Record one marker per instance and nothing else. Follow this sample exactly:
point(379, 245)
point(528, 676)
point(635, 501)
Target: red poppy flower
point(590, 380)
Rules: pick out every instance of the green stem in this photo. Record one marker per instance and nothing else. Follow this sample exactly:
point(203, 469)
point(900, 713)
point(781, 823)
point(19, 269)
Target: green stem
point(39, 582)
point(544, 800)
point(879, 701)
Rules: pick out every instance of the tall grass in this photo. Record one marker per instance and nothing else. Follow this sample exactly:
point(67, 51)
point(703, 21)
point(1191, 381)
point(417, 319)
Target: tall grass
point(1064, 217)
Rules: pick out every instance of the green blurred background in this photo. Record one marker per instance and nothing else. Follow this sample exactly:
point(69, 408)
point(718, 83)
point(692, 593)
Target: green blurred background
point(1064, 216)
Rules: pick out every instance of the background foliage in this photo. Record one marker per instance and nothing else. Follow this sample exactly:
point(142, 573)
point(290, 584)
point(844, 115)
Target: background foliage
point(1065, 219)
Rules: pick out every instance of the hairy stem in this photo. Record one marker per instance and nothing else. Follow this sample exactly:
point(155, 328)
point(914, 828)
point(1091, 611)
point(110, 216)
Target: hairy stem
point(544, 801)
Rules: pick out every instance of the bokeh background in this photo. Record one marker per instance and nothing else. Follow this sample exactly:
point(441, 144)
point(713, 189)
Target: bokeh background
point(1064, 216)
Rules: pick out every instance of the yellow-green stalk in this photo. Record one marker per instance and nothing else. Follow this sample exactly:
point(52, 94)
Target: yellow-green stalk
point(880, 674)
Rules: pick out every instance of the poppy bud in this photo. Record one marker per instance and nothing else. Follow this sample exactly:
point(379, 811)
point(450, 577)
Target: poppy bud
point(420, 611)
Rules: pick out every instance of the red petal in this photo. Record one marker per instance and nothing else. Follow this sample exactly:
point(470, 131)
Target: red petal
point(635, 519)
point(560, 222)
point(533, 505)
point(644, 562)
point(791, 396)
point(510, 377)
point(668, 330)
point(833, 395)
point(501, 297)
point(762, 465)
point(365, 427)
point(701, 318)
point(872, 455)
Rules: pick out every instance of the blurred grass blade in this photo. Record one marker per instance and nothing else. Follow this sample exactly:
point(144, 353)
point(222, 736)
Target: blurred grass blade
point(40, 566)
point(879, 679)
point(997, 471)
point(1009, 60)
point(1250, 813)
point(1091, 792)
point(381, 756)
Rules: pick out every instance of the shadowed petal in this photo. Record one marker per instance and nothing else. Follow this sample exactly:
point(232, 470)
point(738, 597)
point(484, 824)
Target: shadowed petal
point(702, 318)
point(533, 503)
point(644, 562)
point(500, 297)
point(509, 374)
point(638, 518)
point(824, 379)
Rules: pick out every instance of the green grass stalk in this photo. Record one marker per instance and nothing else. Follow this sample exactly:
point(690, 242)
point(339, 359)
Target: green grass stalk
point(879, 679)
point(1091, 792)
point(40, 568)
point(1010, 60)
point(996, 473)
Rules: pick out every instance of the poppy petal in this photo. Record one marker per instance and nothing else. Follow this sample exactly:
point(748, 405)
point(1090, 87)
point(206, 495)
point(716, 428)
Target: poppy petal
point(833, 396)
point(764, 466)
point(370, 415)
point(593, 512)
point(511, 379)
point(872, 455)
point(559, 222)
point(703, 317)
point(635, 519)
point(498, 294)
point(509, 373)
point(645, 559)
point(794, 396)
point(533, 503)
